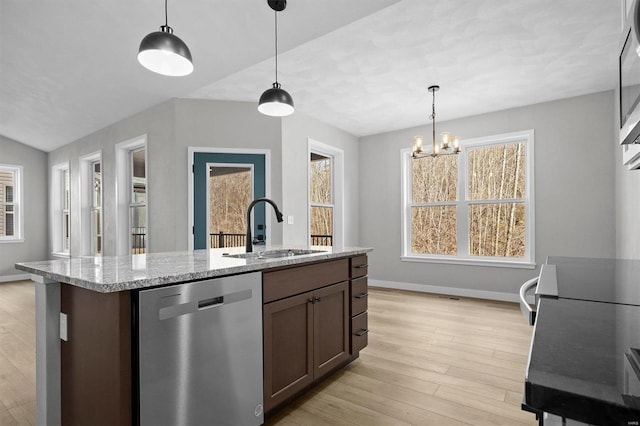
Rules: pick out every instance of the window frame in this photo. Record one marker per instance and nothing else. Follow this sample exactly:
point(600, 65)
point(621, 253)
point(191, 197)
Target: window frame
point(57, 206)
point(65, 211)
point(122, 193)
point(93, 208)
point(463, 202)
point(132, 204)
point(17, 213)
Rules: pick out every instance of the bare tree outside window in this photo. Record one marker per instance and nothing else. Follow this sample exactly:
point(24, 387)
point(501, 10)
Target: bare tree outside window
point(321, 200)
point(497, 173)
point(230, 192)
point(434, 183)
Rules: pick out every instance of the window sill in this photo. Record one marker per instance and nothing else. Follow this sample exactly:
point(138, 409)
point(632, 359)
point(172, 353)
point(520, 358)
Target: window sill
point(471, 262)
point(61, 255)
point(12, 240)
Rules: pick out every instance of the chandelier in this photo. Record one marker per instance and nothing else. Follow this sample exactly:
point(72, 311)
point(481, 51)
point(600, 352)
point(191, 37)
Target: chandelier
point(448, 143)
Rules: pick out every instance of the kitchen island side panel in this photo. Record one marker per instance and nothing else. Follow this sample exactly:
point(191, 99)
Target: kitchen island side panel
point(96, 358)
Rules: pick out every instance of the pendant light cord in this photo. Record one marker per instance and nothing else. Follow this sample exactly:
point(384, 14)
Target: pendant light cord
point(275, 12)
point(166, 15)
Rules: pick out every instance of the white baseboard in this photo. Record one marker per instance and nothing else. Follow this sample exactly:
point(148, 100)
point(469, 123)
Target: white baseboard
point(16, 277)
point(450, 291)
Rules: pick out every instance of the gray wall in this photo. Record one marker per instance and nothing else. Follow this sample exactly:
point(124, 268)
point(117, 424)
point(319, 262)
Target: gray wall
point(221, 124)
point(34, 206)
point(158, 124)
point(170, 127)
point(296, 130)
point(574, 191)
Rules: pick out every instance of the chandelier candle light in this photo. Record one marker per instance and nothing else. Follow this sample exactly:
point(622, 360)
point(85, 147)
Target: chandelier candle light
point(448, 145)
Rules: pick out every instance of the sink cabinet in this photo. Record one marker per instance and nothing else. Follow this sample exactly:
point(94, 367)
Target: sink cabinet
point(306, 336)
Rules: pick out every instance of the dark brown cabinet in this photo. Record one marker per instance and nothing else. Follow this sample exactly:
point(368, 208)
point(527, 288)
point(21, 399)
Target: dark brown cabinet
point(359, 303)
point(330, 328)
point(288, 347)
point(306, 336)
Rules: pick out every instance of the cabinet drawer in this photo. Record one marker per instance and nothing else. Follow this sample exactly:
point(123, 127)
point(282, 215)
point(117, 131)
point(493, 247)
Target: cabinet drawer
point(300, 279)
point(359, 331)
point(359, 266)
point(359, 296)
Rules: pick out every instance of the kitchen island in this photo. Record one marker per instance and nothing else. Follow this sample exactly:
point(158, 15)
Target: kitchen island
point(88, 364)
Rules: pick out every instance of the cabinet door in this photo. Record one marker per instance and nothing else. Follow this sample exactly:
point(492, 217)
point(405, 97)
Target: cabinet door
point(288, 348)
point(331, 327)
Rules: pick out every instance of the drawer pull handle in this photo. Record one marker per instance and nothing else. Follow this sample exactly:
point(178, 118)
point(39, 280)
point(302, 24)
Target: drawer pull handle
point(362, 332)
point(361, 266)
point(314, 300)
point(361, 295)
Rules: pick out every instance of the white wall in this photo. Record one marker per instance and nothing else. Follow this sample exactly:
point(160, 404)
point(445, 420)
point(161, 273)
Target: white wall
point(34, 207)
point(574, 192)
point(296, 130)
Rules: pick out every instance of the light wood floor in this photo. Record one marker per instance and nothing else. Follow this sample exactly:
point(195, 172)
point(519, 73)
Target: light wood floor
point(431, 360)
point(17, 353)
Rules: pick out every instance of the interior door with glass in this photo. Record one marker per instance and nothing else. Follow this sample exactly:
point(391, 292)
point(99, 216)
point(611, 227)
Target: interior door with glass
point(224, 185)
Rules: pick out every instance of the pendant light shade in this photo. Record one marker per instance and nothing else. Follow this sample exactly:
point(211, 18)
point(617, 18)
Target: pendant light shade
point(165, 53)
point(276, 102)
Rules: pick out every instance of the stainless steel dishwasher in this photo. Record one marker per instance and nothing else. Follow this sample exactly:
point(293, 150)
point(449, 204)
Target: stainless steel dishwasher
point(200, 352)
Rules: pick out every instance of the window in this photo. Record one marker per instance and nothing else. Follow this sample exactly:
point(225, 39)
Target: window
point(10, 212)
point(60, 210)
point(138, 201)
point(132, 203)
point(321, 199)
point(96, 208)
point(91, 216)
point(66, 211)
point(473, 207)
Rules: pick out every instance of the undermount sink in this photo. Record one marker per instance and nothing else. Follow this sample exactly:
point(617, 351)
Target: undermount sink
point(274, 254)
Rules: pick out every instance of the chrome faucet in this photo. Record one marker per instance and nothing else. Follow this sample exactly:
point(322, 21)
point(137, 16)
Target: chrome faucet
point(249, 245)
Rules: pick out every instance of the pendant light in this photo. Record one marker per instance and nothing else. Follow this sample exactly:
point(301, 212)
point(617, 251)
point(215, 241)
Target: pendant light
point(165, 53)
point(448, 143)
point(276, 101)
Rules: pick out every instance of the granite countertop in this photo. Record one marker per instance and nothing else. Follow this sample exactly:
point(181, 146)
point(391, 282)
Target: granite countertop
point(107, 274)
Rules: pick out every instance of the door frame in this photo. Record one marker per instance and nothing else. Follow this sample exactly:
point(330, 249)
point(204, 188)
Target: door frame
point(216, 150)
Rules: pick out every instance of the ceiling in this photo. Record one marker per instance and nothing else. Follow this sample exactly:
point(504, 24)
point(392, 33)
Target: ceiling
point(68, 67)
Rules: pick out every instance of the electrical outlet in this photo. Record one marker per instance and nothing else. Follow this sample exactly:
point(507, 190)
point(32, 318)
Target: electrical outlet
point(290, 220)
point(63, 326)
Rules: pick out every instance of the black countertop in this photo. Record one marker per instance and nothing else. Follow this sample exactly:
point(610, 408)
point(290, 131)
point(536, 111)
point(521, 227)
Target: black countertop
point(585, 354)
point(598, 280)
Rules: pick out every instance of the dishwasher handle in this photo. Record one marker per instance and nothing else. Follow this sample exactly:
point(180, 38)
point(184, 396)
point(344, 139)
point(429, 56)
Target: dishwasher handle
point(527, 311)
